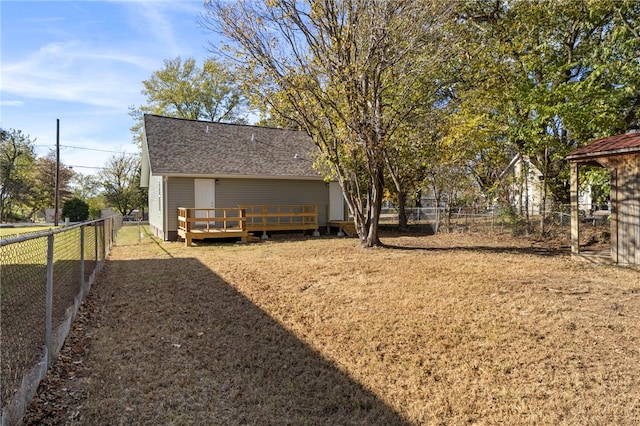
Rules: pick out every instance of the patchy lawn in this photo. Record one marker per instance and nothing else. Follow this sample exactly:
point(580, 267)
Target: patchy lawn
point(446, 329)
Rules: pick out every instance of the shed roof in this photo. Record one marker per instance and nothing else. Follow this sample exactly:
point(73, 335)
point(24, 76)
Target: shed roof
point(613, 145)
point(175, 146)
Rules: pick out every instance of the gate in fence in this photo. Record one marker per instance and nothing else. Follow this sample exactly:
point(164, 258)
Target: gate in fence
point(43, 279)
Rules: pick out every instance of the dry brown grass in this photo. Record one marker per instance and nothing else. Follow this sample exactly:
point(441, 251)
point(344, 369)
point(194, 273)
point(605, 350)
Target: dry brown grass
point(446, 329)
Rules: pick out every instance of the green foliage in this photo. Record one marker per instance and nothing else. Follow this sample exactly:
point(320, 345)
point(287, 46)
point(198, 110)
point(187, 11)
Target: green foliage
point(17, 157)
point(121, 183)
point(86, 187)
point(183, 90)
point(349, 73)
point(96, 204)
point(43, 193)
point(598, 181)
point(403, 95)
point(542, 77)
point(76, 210)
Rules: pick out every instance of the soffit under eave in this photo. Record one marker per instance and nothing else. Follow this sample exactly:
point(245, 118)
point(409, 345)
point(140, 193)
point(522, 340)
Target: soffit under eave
point(145, 166)
point(244, 177)
point(597, 156)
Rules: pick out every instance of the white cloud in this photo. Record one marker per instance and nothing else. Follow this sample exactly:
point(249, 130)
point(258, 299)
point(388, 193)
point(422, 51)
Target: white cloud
point(79, 68)
point(11, 103)
point(73, 71)
point(83, 62)
point(164, 23)
point(150, 18)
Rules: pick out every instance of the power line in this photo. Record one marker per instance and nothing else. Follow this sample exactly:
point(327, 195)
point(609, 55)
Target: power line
point(100, 150)
point(84, 167)
point(90, 149)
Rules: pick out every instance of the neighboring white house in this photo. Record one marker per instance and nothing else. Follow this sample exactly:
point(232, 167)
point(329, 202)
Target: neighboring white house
point(524, 185)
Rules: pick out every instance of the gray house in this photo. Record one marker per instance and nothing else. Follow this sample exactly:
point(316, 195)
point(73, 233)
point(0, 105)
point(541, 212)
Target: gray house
point(201, 164)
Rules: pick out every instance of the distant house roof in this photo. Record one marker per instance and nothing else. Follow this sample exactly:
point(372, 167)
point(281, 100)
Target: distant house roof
point(531, 169)
point(619, 144)
point(180, 147)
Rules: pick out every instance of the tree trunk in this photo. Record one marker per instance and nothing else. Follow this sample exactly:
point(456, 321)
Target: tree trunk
point(402, 211)
point(375, 207)
point(543, 206)
point(367, 227)
point(365, 210)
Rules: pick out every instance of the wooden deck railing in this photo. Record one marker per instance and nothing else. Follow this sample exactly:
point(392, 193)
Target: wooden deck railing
point(281, 217)
point(200, 223)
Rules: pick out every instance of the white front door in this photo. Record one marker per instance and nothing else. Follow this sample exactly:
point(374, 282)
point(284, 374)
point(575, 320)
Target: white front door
point(205, 197)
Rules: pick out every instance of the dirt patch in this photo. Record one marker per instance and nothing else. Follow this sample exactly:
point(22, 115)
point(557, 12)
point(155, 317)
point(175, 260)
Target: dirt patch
point(444, 329)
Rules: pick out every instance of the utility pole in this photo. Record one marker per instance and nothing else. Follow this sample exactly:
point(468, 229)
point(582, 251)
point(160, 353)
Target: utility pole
point(57, 189)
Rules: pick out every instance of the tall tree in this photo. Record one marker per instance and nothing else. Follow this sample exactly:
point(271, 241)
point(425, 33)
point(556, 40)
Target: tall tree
point(347, 72)
point(544, 77)
point(17, 156)
point(182, 89)
point(410, 153)
point(43, 194)
point(120, 180)
point(88, 189)
point(410, 160)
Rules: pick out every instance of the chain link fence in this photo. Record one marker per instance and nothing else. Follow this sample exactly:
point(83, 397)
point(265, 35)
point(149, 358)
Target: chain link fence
point(43, 279)
point(499, 219)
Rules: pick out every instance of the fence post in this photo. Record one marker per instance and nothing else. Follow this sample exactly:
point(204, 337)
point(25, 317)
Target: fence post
point(49, 301)
point(95, 240)
point(112, 225)
point(105, 236)
point(493, 219)
point(82, 260)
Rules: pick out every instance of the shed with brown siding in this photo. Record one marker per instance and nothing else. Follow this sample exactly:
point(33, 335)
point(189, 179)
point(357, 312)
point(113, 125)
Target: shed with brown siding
point(621, 156)
point(200, 164)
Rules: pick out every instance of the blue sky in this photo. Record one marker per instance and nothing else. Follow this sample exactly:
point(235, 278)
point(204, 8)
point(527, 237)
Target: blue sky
point(83, 62)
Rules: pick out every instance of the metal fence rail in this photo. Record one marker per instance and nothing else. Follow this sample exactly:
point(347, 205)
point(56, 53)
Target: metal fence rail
point(496, 219)
point(43, 280)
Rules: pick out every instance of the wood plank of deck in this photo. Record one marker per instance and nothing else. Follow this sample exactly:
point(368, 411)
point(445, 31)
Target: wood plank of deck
point(201, 234)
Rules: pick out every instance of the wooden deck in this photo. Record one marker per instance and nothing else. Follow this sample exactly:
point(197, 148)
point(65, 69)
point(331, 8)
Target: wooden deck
point(240, 222)
point(280, 217)
point(198, 224)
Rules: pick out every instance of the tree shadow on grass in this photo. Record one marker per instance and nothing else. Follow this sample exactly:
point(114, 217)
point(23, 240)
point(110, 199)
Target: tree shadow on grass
point(177, 344)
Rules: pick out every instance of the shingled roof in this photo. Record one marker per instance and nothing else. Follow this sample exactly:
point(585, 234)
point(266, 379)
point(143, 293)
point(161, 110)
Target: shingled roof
point(619, 144)
point(180, 147)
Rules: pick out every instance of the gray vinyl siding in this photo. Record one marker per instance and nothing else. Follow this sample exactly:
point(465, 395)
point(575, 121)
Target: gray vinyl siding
point(231, 192)
point(181, 194)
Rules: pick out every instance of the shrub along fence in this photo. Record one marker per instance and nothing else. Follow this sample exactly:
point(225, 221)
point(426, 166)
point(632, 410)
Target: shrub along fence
point(43, 279)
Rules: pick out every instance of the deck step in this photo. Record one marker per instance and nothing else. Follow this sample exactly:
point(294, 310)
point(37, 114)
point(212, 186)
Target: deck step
point(346, 226)
point(350, 229)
